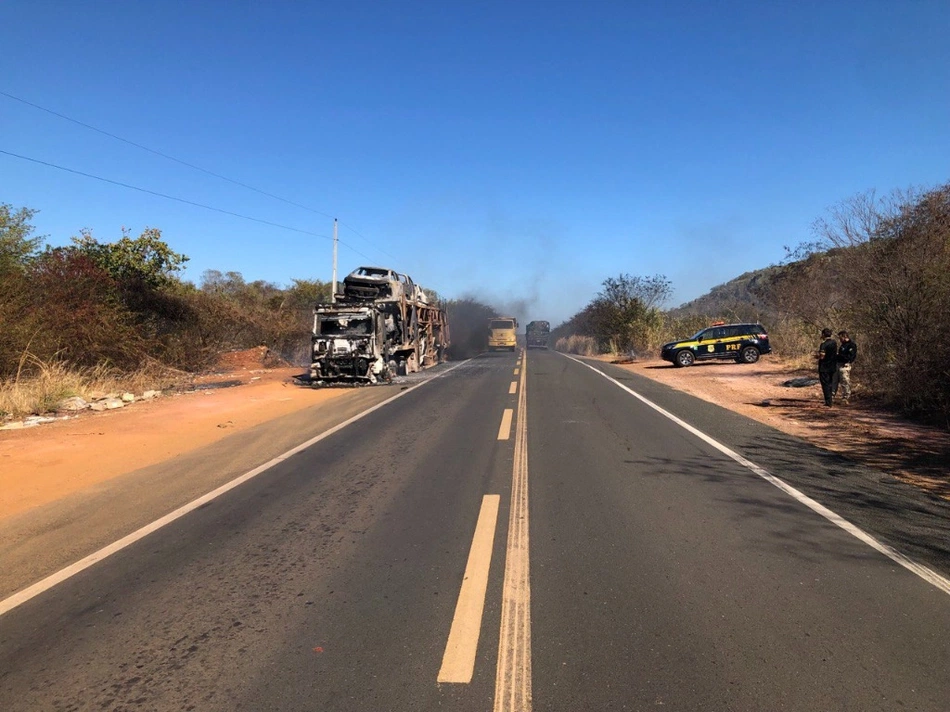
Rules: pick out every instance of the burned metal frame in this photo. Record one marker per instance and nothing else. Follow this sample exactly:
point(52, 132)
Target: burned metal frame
point(405, 336)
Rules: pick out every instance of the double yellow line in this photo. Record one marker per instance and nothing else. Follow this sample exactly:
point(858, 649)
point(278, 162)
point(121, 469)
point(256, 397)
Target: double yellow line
point(513, 674)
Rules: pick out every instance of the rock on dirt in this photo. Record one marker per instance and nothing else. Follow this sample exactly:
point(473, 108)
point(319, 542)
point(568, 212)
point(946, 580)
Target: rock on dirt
point(802, 382)
point(108, 404)
point(73, 404)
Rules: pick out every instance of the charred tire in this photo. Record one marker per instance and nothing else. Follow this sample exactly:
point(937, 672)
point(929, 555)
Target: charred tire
point(684, 358)
point(749, 354)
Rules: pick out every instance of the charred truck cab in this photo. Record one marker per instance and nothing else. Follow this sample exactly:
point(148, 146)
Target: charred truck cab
point(348, 345)
point(362, 339)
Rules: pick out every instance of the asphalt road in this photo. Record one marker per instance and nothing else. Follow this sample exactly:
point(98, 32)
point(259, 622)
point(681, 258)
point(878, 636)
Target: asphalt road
point(583, 552)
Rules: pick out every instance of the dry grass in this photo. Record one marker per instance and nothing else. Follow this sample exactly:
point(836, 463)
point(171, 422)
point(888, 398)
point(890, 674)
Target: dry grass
point(52, 383)
point(580, 345)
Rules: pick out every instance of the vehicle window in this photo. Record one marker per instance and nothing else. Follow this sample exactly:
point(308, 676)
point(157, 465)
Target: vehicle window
point(717, 333)
point(502, 324)
point(736, 331)
point(346, 327)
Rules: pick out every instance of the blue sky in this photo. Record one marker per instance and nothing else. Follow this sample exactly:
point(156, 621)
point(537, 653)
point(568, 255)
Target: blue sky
point(520, 152)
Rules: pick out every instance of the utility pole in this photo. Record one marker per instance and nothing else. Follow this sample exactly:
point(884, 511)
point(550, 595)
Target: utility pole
point(335, 242)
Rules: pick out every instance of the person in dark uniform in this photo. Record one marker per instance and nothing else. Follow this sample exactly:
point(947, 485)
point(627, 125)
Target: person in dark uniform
point(827, 364)
point(847, 353)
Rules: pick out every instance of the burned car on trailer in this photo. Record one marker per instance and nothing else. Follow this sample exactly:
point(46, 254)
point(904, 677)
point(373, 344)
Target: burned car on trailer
point(380, 283)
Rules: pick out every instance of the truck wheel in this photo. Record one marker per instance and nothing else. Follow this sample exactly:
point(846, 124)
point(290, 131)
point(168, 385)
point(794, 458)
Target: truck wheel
point(749, 354)
point(684, 358)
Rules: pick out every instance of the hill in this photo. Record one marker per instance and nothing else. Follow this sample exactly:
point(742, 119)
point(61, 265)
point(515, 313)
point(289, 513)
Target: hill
point(744, 298)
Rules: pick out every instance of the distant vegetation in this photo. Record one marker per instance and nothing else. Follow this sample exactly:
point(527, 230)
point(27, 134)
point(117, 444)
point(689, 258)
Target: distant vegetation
point(77, 317)
point(878, 267)
point(122, 305)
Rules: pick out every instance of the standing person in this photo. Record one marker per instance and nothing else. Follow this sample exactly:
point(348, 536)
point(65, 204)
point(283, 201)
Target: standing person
point(847, 353)
point(827, 364)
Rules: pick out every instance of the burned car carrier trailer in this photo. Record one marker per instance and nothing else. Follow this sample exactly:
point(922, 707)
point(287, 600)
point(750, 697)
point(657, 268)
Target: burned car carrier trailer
point(370, 341)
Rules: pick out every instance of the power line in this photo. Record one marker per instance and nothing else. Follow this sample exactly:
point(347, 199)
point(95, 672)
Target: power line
point(189, 165)
point(177, 199)
point(353, 229)
point(163, 155)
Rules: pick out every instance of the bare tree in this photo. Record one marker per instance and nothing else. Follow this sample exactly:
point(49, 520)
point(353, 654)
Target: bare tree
point(881, 269)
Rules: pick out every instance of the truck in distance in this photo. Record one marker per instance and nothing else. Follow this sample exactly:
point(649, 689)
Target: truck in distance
point(502, 333)
point(536, 334)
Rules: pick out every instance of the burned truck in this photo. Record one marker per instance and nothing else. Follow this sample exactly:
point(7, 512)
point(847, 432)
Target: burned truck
point(536, 334)
point(362, 340)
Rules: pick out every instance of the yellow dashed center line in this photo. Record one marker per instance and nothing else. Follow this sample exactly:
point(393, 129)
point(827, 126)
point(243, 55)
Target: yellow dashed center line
point(504, 431)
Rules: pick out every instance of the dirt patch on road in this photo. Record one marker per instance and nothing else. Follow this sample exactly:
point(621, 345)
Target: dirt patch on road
point(860, 430)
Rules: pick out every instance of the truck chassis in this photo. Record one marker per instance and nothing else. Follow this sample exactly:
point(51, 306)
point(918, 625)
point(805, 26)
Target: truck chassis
point(356, 342)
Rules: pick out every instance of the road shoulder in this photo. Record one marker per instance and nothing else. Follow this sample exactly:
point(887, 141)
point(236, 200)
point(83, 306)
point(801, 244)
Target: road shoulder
point(861, 431)
point(72, 487)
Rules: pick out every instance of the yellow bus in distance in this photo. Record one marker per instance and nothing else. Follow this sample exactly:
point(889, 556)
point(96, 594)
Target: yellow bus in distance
point(501, 333)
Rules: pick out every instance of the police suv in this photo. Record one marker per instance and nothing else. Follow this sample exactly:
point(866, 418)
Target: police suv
point(742, 343)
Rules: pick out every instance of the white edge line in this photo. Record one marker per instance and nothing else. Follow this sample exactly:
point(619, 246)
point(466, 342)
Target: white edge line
point(21, 597)
point(458, 660)
point(924, 572)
